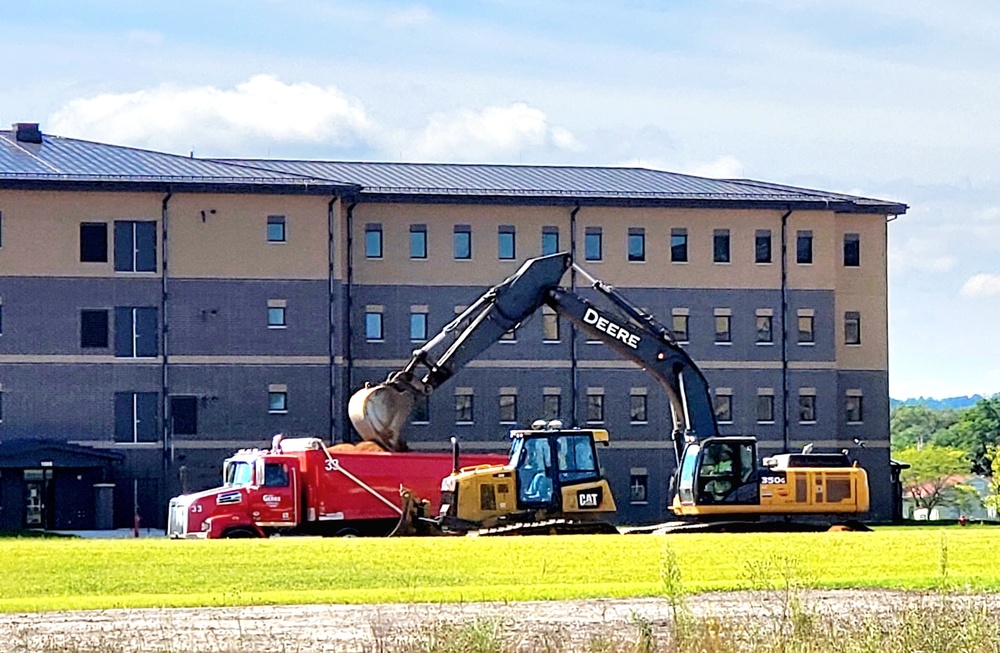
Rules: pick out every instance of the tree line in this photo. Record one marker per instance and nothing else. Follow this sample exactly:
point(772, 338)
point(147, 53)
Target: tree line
point(944, 447)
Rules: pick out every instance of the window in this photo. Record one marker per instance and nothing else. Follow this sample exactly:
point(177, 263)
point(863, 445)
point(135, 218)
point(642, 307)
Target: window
point(762, 246)
point(724, 406)
point(678, 245)
point(593, 244)
point(506, 250)
point(804, 247)
point(136, 417)
point(276, 229)
point(765, 326)
point(418, 325)
point(807, 333)
point(276, 317)
point(636, 244)
point(277, 401)
point(373, 240)
point(184, 415)
point(807, 406)
point(638, 486)
point(463, 407)
point(852, 250)
point(853, 407)
point(93, 242)
point(550, 325)
point(551, 405)
point(595, 406)
point(723, 326)
point(680, 325)
point(275, 475)
point(852, 328)
point(418, 241)
point(93, 329)
point(637, 408)
point(720, 246)
point(136, 332)
point(550, 240)
point(373, 325)
point(463, 242)
point(508, 406)
point(135, 246)
point(576, 459)
point(765, 406)
point(421, 413)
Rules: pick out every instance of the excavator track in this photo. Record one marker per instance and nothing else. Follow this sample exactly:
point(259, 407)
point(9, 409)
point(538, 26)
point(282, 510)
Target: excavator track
point(548, 527)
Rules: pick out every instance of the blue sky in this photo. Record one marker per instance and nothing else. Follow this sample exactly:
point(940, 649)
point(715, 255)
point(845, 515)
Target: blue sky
point(891, 99)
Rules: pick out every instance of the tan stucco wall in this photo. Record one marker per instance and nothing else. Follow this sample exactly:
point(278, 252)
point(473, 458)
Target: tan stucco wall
point(863, 289)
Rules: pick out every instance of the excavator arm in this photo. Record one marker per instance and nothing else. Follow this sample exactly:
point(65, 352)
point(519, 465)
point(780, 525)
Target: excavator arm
point(379, 412)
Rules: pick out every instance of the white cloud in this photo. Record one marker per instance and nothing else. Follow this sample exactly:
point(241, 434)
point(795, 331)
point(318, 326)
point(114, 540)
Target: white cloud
point(218, 121)
point(919, 254)
point(725, 166)
point(488, 134)
point(981, 285)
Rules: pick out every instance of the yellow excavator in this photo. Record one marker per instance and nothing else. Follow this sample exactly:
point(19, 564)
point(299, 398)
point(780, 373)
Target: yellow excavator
point(553, 482)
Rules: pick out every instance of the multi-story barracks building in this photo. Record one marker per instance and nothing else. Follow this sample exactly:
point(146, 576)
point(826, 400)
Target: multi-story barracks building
point(159, 312)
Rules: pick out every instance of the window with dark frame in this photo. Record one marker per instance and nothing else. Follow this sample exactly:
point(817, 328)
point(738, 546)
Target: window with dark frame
point(637, 408)
point(807, 332)
point(724, 408)
point(765, 408)
point(137, 332)
point(184, 415)
point(373, 326)
point(373, 240)
point(762, 246)
point(463, 408)
point(418, 241)
point(463, 242)
point(853, 409)
point(551, 406)
point(638, 488)
point(595, 408)
point(765, 329)
point(678, 245)
point(506, 245)
point(276, 317)
point(852, 328)
point(418, 326)
point(421, 413)
point(550, 325)
point(804, 247)
point(723, 328)
point(136, 417)
point(93, 242)
point(135, 246)
point(852, 250)
point(277, 401)
point(679, 326)
point(720, 246)
point(276, 229)
point(594, 244)
point(94, 329)
point(508, 408)
point(807, 408)
point(636, 244)
point(550, 240)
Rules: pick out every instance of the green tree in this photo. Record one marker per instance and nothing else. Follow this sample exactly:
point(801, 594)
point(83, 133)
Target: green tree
point(931, 478)
point(993, 500)
point(977, 429)
point(914, 426)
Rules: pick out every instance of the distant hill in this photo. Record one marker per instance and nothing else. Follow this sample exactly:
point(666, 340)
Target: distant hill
point(937, 404)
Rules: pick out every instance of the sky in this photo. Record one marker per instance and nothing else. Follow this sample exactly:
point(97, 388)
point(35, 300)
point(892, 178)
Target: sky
point(894, 99)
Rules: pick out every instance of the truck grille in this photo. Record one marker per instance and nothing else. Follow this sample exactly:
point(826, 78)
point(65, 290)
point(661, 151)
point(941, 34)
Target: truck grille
point(177, 520)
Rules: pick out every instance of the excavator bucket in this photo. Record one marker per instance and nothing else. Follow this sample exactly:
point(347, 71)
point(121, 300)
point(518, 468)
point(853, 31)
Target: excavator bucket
point(379, 413)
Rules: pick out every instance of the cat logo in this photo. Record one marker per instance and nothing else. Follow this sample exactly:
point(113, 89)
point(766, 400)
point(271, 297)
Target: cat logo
point(590, 498)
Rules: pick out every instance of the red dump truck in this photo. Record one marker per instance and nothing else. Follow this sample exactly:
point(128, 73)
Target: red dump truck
point(301, 487)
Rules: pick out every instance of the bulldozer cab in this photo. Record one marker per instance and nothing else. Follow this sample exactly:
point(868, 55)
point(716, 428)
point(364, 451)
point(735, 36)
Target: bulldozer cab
point(547, 461)
point(719, 470)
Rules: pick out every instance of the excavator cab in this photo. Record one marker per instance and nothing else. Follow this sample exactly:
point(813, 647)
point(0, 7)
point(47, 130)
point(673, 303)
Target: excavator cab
point(720, 470)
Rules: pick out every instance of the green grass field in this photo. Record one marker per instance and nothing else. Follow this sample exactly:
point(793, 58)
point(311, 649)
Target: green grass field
point(52, 574)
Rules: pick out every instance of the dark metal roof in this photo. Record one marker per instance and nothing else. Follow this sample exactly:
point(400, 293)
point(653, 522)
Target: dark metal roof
point(68, 162)
point(591, 185)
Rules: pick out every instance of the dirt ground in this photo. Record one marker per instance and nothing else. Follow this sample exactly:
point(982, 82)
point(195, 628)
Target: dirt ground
point(385, 627)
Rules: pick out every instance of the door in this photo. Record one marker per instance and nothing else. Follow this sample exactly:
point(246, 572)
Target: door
point(275, 502)
point(34, 509)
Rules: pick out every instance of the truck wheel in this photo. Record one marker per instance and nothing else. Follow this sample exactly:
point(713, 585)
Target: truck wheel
point(347, 532)
point(239, 533)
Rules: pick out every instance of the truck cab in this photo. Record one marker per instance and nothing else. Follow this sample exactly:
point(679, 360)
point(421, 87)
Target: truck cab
point(260, 495)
